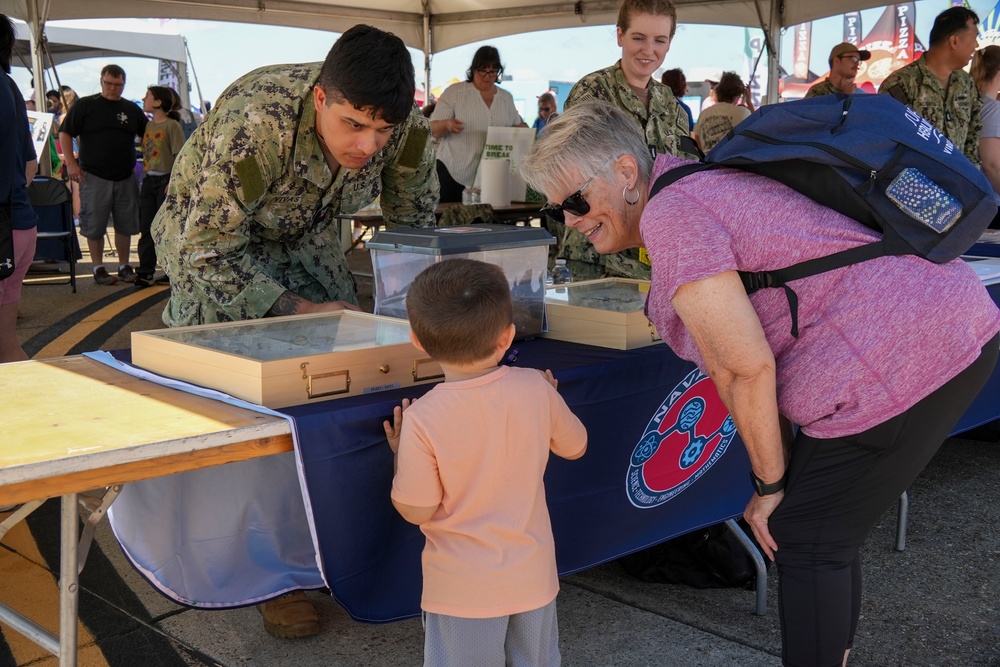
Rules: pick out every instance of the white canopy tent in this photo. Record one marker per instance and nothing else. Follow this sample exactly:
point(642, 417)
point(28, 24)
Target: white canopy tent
point(66, 44)
point(437, 25)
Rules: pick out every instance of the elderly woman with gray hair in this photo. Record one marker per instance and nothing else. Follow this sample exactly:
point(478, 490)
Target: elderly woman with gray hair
point(883, 366)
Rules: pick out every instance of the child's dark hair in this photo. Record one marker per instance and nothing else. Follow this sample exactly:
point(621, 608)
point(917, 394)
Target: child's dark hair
point(165, 96)
point(458, 308)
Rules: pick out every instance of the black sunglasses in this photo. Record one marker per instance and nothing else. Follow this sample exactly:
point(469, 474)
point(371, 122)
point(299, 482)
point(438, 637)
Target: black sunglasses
point(575, 204)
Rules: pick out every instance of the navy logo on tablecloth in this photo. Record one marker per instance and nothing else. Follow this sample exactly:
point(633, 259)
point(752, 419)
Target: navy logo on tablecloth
point(689, 432)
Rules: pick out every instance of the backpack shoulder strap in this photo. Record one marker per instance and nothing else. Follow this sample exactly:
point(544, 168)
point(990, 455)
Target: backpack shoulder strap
point(756, 280)
point(677, 173)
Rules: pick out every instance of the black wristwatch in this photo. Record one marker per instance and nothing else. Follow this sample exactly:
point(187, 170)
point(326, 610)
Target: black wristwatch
point(763, 489)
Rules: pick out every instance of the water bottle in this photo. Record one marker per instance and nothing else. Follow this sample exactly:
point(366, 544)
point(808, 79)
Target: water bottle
point(560, 273)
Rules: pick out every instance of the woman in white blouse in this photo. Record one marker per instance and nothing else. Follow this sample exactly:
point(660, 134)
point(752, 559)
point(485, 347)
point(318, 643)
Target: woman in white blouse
point(985, 72)
point(460, 120)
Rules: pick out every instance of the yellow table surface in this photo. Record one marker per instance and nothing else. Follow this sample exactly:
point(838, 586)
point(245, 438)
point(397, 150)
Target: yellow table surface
point(71, 424)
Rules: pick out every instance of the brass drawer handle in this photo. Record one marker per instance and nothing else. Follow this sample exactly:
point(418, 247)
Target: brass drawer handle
point(321, 376)
point(426, 369)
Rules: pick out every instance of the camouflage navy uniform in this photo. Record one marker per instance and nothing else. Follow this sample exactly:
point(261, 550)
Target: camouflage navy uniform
point(952, 109)
point(252, 204)
point(824, 87)
point(664, 125)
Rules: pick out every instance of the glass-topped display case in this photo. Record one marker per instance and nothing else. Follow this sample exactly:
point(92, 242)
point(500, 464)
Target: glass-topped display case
point(283, 361)
point(606, 313)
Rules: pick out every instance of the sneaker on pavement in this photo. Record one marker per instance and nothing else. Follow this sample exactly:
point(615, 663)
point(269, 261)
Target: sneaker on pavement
point(102, 277)
point(127, 274)
point(290, 616)
point(143, 281)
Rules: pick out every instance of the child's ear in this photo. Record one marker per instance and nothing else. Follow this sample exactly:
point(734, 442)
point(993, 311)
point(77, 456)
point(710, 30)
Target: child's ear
point(416, 343)
point(507, 337)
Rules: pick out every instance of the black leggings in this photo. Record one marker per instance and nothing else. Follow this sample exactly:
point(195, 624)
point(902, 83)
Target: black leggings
point(152, 194)
point(451, 190)
point(837, 490)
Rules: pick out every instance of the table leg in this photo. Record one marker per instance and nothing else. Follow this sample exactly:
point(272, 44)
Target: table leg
point(72, 556)
point(20, 623)
point(69, 584)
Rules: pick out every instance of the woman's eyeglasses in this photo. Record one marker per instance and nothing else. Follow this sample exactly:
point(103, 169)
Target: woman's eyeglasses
point(575, 204)
point(489, 72)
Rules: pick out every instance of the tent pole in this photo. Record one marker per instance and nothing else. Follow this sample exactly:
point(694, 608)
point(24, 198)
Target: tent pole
point(427, 52)
point(774, 50)
point(36, 23)
point(197, 85)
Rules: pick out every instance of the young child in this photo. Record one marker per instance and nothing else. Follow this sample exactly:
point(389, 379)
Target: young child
point(470, 459)
point(160, 145)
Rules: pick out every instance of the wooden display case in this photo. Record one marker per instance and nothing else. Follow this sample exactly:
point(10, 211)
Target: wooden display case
point(282, 361)
point(605, 313)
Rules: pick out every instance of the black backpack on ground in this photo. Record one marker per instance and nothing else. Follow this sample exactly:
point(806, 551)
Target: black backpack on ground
point(870, 158)
point(708, 558)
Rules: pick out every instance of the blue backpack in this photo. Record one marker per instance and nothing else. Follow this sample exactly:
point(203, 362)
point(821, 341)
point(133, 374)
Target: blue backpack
point(870, 158)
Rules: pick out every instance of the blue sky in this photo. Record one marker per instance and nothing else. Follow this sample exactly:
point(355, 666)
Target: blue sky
point(222, 52)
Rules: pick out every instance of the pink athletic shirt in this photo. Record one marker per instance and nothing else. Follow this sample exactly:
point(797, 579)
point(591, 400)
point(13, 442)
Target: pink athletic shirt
point(477, 449)
point(874, 338)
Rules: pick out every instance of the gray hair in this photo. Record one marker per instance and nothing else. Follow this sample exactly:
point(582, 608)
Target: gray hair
point(589, 137)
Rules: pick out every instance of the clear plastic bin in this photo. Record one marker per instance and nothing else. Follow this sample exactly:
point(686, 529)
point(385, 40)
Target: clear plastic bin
point(398, 255)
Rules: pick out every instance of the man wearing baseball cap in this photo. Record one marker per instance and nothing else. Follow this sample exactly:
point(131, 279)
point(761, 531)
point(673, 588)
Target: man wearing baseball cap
point(845, 59)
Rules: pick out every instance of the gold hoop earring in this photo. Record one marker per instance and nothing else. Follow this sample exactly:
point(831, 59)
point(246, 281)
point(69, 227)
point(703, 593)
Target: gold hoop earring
point(624, 193)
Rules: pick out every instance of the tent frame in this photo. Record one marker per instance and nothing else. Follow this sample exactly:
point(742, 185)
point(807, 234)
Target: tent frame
point(438, 25)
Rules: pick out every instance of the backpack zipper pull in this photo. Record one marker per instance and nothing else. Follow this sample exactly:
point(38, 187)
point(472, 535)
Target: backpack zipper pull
point(869, 184)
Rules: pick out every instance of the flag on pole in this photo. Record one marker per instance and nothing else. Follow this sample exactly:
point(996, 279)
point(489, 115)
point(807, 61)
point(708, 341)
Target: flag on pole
point(754, 74)
point(903, 35)
point(852, 27)
point(167, 75)
point(800, 52)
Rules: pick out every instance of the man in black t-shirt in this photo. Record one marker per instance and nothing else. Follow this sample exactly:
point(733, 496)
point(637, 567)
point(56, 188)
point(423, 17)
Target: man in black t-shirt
point(106, 126)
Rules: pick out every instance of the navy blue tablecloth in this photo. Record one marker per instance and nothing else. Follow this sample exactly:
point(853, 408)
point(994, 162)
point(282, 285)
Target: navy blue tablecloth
point(690, 471)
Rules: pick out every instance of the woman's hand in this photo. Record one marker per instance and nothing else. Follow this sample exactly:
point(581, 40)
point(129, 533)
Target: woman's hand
point(440, 128)
point(758, 511)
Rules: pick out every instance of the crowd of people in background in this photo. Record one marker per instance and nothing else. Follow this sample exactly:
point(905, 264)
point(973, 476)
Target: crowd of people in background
point(86, 140)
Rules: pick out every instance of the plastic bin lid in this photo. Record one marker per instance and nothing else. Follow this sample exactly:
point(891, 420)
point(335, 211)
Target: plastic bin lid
point(451, 240)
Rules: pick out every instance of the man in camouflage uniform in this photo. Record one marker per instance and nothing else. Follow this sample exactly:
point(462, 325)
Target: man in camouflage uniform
point(248, 227)
point(665, 125)
point(247, 231)
point(845, 61)
point(936, 86)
